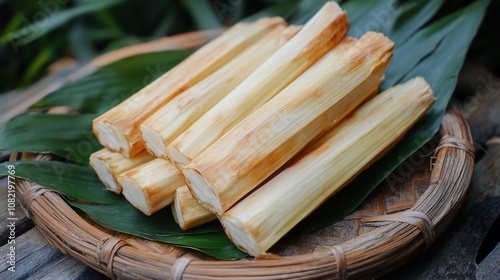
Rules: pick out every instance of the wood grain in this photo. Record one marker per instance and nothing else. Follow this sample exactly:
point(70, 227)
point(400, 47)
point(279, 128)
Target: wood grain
point(37, 259)
point(23, 223)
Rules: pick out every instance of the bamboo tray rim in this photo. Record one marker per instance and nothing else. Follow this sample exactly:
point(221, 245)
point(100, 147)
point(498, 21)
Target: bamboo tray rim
point(403, 235)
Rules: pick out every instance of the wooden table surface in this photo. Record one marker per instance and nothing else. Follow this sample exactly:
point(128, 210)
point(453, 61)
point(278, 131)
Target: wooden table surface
point(469, 249)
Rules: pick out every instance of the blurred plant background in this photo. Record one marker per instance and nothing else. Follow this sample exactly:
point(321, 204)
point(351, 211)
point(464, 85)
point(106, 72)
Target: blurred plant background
point(35, 34)
point(41, 37)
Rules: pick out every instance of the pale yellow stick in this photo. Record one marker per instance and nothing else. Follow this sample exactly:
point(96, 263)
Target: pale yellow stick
point(261, 219)
point(187, 212)
point(108, 165)
point(325, 30)
point(118, 129)
point(176, 116)
point(270, 136)
point(151, 186)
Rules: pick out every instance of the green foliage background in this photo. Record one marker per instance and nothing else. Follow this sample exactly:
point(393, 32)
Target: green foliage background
point(35, 34)
point(432, 39)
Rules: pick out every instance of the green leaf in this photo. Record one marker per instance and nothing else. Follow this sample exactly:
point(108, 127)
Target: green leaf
point(113, 83)
point(75, 181)
point(440, 68)
point(165, 25)
point(83, 190)
point(108, 21)
point(204, 13)
point(14, 23)
point(68, 136)
point(81, 46)
point(306, 9)
point(398, 20)
point(53, 20)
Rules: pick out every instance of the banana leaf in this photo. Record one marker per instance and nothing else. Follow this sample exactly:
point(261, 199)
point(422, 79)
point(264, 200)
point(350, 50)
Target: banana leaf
point(76, 181)
point(68, 136)
point(432, 48)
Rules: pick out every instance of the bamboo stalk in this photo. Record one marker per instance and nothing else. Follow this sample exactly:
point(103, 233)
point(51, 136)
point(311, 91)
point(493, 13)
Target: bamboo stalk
point(261, 219)
point(270, 136)
point(325, 30)
point(175, 117)
point(118, 128)
point(108, 165)
point(187, 212)
point(151, 186)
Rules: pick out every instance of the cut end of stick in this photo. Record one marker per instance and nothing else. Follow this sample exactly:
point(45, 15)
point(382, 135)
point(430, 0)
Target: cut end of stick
point(179, 159)
point(109, 165)
point(151, 186)
point(241, 236)
point(110, 136)
point(135, 195)
point(375, 45)
point(177, 213)
point(202, 191)
point(154, 143)
point(187, 212)
point(105, 174)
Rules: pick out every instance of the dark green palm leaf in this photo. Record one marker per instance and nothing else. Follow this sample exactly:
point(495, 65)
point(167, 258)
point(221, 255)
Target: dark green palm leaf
point(115, 212)
point(74, 181)
point(204, 13)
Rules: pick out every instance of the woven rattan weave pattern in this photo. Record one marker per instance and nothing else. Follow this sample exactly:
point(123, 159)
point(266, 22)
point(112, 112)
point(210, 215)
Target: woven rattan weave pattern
point(393, 225)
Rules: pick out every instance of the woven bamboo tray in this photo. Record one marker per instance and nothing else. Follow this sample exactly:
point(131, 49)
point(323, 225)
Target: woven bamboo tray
point(394, 224)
